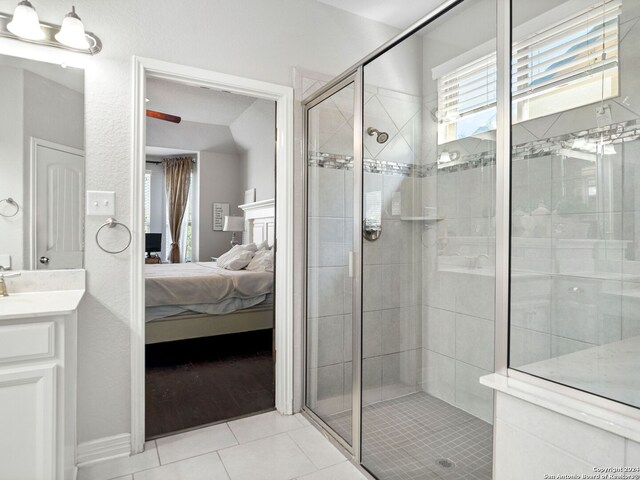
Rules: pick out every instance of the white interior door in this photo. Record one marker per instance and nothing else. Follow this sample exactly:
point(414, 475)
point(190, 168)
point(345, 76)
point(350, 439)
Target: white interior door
point(59, 201)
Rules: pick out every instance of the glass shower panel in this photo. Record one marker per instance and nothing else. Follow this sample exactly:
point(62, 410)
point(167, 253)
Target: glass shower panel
point(575, 275)
point(429, 250)
point(329, 379)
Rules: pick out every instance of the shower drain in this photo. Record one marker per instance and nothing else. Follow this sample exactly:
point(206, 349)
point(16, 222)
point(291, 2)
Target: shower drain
point(445, 463)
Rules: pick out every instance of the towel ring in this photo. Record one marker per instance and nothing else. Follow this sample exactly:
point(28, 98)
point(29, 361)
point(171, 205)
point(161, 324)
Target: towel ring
point(111, 223)
point(10, 201)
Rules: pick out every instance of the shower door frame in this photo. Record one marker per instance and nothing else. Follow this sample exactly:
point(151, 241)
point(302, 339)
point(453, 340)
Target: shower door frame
point(355, 255)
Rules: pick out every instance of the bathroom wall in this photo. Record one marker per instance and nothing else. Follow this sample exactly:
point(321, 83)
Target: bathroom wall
point(248, 40)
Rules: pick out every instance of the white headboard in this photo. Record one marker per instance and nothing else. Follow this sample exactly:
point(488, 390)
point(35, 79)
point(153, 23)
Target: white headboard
point(259, 222)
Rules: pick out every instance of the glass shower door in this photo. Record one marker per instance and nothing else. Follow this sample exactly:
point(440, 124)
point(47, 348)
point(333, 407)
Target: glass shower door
point(428, 251)
point(330, 151)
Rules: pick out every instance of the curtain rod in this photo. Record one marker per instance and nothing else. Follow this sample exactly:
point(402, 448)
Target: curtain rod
point(193, 159)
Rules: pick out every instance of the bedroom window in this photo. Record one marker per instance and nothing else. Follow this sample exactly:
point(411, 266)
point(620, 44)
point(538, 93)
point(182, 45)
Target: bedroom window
point(570, 64)
point(147, 201)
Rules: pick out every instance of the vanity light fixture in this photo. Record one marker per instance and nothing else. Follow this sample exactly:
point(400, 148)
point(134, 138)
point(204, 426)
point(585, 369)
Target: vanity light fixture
point(72, 32)
point(25, 22)
point(25, 25)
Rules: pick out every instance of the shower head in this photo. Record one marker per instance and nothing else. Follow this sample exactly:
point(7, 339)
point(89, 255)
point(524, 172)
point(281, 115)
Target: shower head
point(381, 137)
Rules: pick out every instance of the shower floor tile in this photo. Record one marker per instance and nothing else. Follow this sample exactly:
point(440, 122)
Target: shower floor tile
point(403, 439)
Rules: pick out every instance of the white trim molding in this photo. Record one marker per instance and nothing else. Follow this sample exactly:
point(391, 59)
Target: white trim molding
point(103, 449)
point(283, 96)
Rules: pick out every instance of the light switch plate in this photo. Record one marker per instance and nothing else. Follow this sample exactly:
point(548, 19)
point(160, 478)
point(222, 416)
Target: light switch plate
point(101, 203)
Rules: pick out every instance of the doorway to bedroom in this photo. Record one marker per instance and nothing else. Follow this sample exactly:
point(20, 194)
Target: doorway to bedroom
point(209, 276)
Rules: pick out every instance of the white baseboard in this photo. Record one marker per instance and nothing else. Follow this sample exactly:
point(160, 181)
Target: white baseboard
point(104, 448)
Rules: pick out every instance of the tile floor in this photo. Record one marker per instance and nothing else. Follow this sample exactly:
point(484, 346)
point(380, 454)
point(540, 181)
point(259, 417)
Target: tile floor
point(403, 439)
point(269, 446)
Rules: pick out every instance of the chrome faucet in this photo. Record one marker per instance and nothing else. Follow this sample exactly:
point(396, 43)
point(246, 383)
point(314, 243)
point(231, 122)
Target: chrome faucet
point(3, 285)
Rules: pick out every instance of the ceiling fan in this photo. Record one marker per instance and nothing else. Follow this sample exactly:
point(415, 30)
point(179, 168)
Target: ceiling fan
point(163, 116)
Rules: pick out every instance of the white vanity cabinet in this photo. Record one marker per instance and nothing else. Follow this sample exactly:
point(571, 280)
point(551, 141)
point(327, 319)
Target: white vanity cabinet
point(38, 350)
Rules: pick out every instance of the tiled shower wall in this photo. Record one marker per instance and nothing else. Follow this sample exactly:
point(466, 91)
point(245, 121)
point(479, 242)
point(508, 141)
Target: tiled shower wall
point(458, 254)
point(458, 287)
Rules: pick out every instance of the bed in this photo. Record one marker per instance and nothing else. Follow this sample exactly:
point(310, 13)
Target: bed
point(199, 299)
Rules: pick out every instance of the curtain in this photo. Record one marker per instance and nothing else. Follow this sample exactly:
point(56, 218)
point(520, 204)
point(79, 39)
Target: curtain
point(177, 177)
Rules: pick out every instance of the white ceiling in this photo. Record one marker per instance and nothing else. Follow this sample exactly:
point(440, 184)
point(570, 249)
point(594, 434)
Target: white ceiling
point(397, 13)
point(195, 104)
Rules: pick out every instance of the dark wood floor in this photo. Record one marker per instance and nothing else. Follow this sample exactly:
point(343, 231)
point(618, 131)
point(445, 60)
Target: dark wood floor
point(191, 383)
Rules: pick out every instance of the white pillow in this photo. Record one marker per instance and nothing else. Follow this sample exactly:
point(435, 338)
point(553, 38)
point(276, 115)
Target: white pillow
point(251, 247)
point(234, 250)
point(236, 260)
point(263, 246)
point(261, 262)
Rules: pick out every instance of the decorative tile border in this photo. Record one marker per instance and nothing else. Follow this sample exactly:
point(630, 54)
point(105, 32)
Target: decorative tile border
point(342, 162)
point(614, 134)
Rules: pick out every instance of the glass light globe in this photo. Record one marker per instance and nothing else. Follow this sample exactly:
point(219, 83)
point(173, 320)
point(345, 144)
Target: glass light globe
point(72, 32)
point(25, 23)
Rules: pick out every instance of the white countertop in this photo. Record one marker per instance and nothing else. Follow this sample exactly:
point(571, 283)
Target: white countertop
point(39, 304)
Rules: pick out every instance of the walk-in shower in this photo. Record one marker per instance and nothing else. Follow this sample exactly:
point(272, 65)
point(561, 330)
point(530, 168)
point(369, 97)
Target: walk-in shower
point(400, 255)
point(402, 264)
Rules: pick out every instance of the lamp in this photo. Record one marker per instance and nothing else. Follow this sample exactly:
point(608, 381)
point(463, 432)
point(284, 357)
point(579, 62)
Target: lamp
point(233, 224)
point(72, 32)
point(25, 23)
